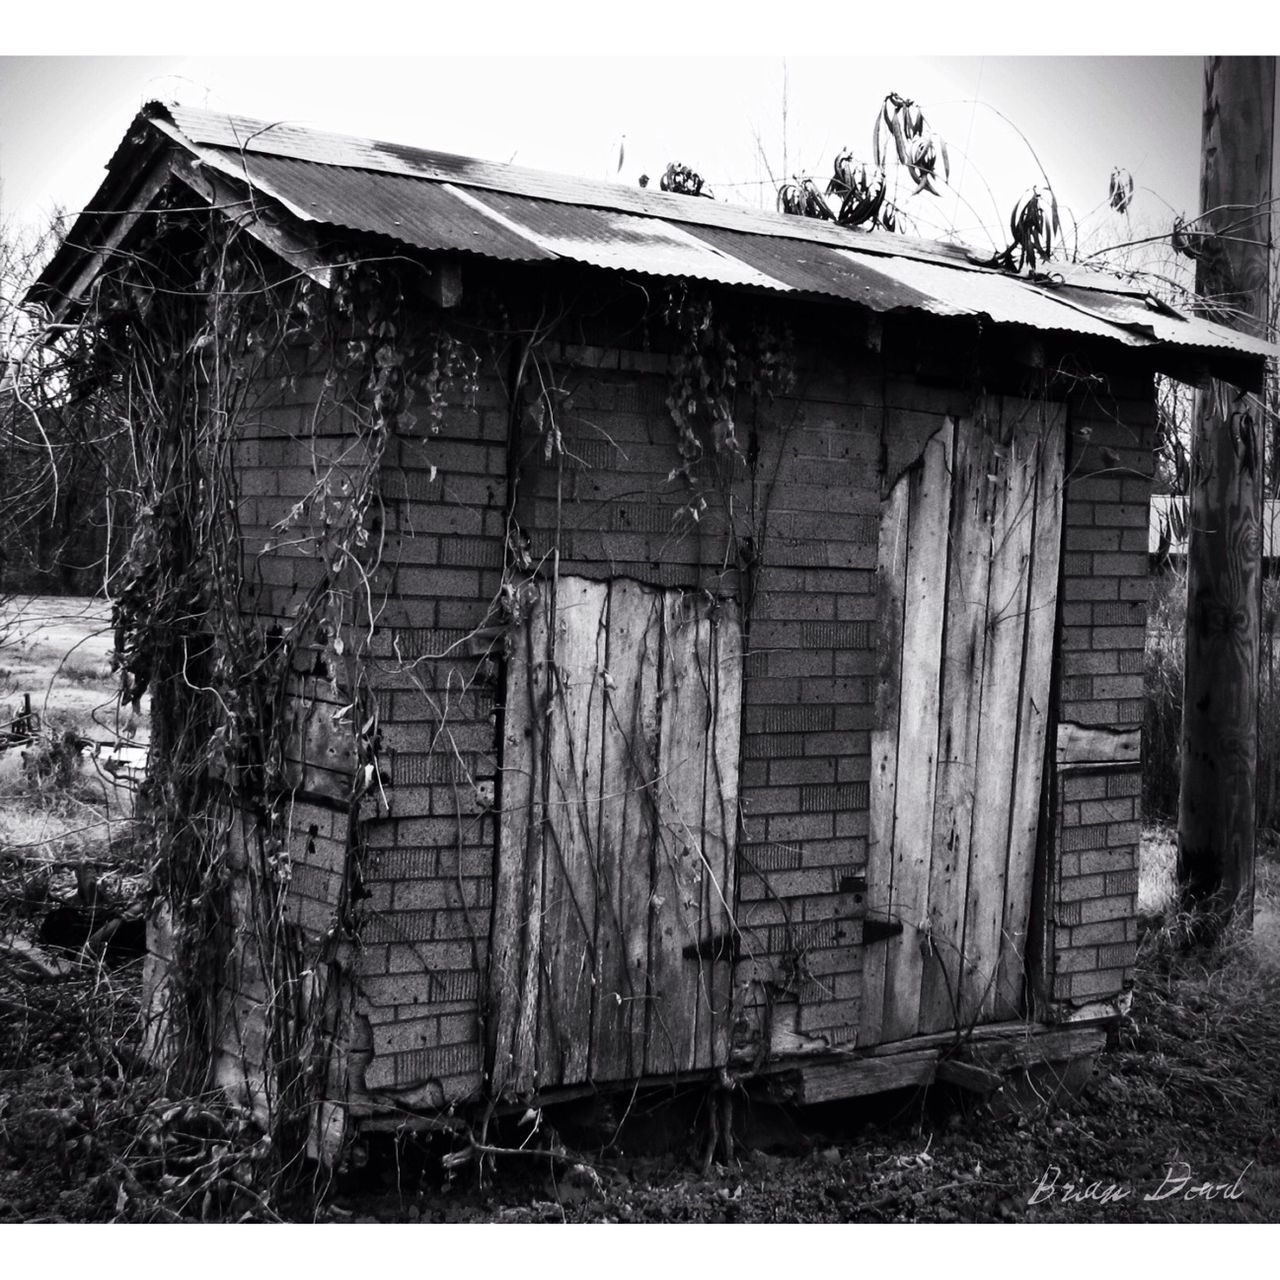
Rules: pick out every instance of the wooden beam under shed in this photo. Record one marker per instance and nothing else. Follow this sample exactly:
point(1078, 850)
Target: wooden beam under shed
point(978, 1063)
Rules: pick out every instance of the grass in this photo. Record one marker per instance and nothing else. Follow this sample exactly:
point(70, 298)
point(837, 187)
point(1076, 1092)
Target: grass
point(1157, 870)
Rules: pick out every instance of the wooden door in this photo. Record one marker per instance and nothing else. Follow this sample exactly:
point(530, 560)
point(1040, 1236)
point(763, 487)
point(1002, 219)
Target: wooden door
point(613, 923)
point(969, 555)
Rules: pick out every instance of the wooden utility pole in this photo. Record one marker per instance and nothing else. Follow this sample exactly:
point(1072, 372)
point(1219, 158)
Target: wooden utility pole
point(1217, 806)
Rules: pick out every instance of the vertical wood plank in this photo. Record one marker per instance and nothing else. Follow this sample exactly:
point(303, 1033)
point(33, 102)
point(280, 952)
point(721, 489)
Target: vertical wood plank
point(723, 662)
point(575, 724)
point(1033, 713)
point(965, 632)
point(891, 582)
point(678, 868)
point(1013, 525)
point(922, 641)
point(515, 952)
point(627, 828)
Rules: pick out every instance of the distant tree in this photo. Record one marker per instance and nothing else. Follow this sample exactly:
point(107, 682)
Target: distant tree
point(63, 445)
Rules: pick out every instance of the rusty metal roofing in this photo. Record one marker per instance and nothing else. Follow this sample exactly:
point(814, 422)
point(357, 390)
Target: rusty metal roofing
point(435, 201)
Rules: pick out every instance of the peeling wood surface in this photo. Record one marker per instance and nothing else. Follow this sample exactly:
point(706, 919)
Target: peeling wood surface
point(964, 673)
point(958, 744)
point(571, 834)
point(619, 817)
point(517, 903)
point(891, 586)
point(674, 1043)
point(627, 822)
point(1013, 518)
point(928, 511)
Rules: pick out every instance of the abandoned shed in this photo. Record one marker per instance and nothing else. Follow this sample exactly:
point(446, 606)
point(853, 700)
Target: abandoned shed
point(615, 636)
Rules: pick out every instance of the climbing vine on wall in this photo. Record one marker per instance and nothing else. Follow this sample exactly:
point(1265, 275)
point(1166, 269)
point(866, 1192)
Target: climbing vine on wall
point(202, 333)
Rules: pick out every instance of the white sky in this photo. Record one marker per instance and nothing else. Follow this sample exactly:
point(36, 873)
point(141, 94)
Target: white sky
point(61, 116)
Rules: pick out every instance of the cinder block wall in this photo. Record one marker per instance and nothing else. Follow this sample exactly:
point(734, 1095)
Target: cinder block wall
point(1093, 899)
point(811, 511)
point(428, 863)
point(812, 517)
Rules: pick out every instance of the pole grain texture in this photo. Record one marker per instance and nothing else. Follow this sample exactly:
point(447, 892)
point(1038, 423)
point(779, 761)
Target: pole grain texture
point(1217, 805)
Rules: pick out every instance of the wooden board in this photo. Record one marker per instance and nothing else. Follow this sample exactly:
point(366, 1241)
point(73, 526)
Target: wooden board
point(1048, 460)
point(613, 910)
point(1013, 523)
point(891, 578)
point(922, 633)
point(627, 826)
point(919, 1063)
point(515, 953)
point(720, 820)
point(674, 1043)
point(575, 725)
point(963, 673)
point(1096, 744)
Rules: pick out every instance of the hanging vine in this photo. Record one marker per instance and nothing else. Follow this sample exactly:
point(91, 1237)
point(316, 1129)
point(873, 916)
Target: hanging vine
point(201, 333)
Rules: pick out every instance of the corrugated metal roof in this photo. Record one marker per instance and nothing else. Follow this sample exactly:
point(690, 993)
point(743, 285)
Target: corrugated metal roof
point(435, 201)
point(1160, 321)
point(622, 241)
point(424, 214)
point(242, 137)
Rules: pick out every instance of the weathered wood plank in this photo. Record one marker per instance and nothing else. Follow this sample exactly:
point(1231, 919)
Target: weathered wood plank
point(1056, 1045)
point(1033, 711)
point(627, 828)
point(891, 581)
point(515, 959)
point(965, 632)
point(1013, 524)
point(856, 1077)
point(1091, 744)
point(720, 826)
point(678, 871)
point(575, 724)
point(923, 615)
point(919, 1062)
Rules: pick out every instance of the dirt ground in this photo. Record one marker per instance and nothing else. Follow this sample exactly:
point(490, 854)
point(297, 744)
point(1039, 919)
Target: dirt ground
point(1177, 1121)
